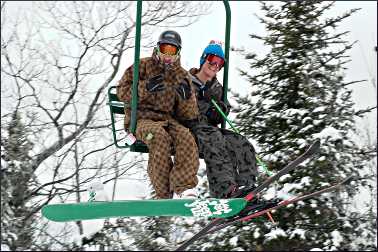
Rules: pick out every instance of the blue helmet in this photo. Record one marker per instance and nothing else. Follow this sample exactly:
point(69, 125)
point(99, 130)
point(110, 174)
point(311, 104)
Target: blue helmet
point(212, 48)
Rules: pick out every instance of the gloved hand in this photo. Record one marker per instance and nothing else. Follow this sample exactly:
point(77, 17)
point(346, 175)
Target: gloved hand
point(184, 90)
point(155, 84)
point(225, 108)
point(213, 116)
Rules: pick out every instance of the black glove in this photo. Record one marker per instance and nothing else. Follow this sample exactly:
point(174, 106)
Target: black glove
point(155, 84)
point(184, 90)
point(213, 116)
point(225, 108)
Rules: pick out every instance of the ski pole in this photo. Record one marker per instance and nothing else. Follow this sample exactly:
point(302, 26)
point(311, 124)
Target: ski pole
point(261, 163)
point(224, 116)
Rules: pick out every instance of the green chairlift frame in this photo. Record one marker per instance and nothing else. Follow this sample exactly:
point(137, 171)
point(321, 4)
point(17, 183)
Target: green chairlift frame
point(117, 107)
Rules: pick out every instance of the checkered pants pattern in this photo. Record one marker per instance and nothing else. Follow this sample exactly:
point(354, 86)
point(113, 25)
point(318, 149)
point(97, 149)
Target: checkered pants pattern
point(167, 176)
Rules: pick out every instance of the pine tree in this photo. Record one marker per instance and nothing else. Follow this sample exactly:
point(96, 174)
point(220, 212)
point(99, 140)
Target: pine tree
point(115, 235)
point(299, 94)
point(17, 222)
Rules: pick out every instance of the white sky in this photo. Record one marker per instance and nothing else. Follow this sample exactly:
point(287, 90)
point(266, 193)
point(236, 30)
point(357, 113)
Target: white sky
point(363, 27)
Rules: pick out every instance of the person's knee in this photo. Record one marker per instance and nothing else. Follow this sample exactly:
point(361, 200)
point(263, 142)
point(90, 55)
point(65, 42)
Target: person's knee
point(210, 137)
point(156, 134)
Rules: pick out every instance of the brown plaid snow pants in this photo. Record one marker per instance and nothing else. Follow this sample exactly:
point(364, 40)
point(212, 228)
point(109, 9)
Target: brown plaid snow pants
point(168, 177)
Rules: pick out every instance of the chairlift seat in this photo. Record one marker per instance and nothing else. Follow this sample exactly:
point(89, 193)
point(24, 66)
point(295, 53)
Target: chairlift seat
point(118, 107)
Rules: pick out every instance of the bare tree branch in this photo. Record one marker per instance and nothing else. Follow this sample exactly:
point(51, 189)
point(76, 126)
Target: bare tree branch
point(57, 62)
point(364, 111)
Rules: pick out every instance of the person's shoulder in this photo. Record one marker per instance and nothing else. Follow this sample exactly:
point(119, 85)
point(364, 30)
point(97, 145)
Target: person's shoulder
point(181, 68)
point(192, 74)
point(146, 59)
point(143, 62)
point(216, 83)
point(183, 71)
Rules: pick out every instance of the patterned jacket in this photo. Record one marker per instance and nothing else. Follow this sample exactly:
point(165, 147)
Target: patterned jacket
point(213, 87)
point(161, 105)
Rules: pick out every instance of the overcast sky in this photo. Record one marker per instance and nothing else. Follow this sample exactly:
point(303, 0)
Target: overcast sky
point(362, 26)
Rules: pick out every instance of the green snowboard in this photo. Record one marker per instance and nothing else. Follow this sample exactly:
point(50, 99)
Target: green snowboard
point(213, 208)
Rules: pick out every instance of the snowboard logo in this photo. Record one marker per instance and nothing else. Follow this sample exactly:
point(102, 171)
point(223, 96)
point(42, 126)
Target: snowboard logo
point(209, 207)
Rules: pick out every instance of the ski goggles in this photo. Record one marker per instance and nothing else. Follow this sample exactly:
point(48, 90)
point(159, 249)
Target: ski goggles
point(215, 60)
point(168, 49)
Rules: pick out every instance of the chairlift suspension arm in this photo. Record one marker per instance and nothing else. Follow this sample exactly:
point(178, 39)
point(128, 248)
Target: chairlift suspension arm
point(114, 108)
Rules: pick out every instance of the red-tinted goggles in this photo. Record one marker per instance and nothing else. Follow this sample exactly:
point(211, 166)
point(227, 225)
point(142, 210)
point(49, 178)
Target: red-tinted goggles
point(168, 49)
point(215, 60)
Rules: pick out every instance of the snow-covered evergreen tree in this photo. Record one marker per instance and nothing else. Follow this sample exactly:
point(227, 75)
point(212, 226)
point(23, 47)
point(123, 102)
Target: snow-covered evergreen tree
point(115, 235)
point(299, 94)
point(17, 219)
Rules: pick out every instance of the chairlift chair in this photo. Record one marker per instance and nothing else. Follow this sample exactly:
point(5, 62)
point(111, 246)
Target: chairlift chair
point(117, 107)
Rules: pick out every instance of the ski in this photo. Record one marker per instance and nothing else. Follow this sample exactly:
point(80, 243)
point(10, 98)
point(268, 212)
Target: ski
point(279, 205)
point(311, 151)
point(202, 208)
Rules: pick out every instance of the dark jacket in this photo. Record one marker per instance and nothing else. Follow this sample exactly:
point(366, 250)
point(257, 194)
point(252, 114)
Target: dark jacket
point(204, 91)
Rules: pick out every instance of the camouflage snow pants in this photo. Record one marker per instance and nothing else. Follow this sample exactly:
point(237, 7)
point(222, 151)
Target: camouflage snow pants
point(168, 177)
point(230, 159)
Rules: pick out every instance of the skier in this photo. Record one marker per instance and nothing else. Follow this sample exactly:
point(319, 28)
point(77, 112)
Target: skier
point(164, 89)
point(230, 158)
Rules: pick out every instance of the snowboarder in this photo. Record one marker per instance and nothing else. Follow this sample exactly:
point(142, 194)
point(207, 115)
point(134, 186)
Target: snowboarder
point(229, 157)
point(165, 89)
